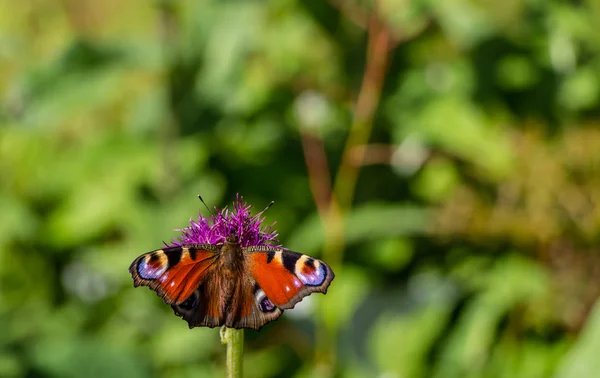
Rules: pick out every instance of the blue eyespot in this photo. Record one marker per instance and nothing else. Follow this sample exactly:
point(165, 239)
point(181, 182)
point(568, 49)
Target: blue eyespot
point(266, 305)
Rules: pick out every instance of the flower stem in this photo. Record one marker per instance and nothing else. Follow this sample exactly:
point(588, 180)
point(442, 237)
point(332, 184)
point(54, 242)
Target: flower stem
point(234, 338)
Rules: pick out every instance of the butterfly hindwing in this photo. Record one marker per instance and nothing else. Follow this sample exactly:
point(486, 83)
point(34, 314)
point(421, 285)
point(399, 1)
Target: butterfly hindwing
point(174, 273)
point(285, 276)
point(248, 306)
point(201, 309)
point(256, 309)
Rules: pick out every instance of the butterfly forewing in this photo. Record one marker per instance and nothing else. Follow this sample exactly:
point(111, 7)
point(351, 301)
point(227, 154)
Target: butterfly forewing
point(285, 276)
point(176, 272)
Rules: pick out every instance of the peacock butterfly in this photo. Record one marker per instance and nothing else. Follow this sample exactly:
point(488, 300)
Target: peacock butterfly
point(234, 277)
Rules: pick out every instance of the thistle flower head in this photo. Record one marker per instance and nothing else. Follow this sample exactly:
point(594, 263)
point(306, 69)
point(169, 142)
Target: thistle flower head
point(238, 221)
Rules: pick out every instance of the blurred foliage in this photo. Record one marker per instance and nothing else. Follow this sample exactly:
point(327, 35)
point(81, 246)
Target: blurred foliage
point(470, 249)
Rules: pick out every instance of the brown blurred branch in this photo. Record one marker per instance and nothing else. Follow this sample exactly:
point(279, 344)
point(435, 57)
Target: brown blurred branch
point(378, 47)
point(371, 154)
point(366, 105)
point(318, 171)
point(362, 18)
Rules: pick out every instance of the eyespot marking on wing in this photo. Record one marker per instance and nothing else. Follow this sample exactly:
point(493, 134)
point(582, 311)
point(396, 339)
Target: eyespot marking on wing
point(310, 271)
point(264, 304)
point(153, 265)
point(191, 302)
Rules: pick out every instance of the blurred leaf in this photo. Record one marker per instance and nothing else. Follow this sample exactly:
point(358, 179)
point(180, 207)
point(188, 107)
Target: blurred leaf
point(390, 254)
point(527, 358)
point(516, 73)
point(18, 223)
point(227, 45)
point(511, 281)
point(249, 143)
point(437, 181)
point(364, 223)
point(80, 357)
point(463, 21)
point(580, 90)
point(73, 95)
point(10, 366)
point(344, 296)
point(185, 345)
point(263, 363)
point(407, 17)
point(401, 343)
point(455, 125)
point(582, 358)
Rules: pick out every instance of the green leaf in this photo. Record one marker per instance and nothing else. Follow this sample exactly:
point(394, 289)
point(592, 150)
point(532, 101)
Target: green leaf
point(368, 222)
point(582, 360)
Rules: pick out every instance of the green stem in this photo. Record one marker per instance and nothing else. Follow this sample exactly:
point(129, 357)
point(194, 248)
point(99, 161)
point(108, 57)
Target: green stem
point(234, 338)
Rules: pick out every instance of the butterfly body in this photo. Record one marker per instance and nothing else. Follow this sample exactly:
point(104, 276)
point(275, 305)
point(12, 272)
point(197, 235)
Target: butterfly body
point(226, 284)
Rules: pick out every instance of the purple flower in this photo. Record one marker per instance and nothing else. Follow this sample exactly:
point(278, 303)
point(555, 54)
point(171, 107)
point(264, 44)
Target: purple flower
point(239, 222)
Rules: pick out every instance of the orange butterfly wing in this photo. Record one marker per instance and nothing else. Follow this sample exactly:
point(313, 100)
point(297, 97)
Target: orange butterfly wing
point(286, 277)
point(174, 273)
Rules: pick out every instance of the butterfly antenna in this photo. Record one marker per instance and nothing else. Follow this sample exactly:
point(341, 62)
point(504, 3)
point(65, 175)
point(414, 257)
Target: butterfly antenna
point(205, 205)
point(266, 208)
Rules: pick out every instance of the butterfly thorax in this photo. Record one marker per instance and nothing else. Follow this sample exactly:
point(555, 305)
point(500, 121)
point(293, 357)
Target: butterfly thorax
point(231, 257)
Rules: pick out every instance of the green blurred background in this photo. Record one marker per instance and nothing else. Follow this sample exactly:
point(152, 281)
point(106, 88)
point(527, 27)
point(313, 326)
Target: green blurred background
point(460, 138)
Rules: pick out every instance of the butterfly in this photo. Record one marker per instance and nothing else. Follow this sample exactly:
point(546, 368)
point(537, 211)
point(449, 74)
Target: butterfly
point(211, 285)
